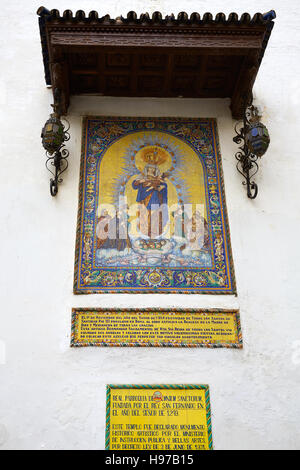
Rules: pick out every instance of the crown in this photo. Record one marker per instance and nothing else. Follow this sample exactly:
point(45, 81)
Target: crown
point(154, 156)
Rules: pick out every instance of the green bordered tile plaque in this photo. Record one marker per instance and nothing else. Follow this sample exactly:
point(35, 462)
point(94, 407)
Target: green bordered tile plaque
point(158, 417)
point(155, 327)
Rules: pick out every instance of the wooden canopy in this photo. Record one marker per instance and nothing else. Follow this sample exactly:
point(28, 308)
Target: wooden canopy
point(187, 56)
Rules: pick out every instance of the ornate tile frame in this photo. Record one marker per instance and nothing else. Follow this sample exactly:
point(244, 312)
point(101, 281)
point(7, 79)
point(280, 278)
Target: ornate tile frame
point(174, 344)
point(160, 387)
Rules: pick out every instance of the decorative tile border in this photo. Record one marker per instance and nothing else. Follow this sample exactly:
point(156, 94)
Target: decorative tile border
point(155, 327)
point(89, 278)
point(157, 387)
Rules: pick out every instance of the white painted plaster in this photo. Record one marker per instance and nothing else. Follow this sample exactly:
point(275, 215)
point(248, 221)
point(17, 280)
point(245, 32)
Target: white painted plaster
point(53, 397)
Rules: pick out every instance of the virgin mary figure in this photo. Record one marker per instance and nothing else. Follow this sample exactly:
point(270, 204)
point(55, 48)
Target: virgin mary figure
point(152, 197)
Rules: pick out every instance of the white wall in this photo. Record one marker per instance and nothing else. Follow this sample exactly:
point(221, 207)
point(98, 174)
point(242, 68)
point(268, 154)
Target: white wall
point(53, 397)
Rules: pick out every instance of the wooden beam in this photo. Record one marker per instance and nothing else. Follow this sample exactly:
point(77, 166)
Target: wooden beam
point(244, 84)
point(146, 39)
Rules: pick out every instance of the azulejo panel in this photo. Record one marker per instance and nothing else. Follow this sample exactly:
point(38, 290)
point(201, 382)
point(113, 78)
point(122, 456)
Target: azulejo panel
point(156, 327)
point(152, 216)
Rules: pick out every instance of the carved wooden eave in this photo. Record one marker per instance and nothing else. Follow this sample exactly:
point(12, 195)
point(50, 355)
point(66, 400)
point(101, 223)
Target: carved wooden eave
point(187, 56)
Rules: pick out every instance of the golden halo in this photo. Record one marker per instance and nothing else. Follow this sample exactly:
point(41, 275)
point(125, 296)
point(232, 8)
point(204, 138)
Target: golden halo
point(154, 155)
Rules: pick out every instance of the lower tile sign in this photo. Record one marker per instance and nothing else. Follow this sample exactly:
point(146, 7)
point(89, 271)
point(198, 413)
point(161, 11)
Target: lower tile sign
point(212, 328)
point(158, 417)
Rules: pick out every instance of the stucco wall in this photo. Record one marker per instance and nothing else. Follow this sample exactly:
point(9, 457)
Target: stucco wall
point(53, 397)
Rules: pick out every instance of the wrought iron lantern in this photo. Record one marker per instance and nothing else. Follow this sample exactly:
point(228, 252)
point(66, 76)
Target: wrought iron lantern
point(255, 139)
point(54, 135)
